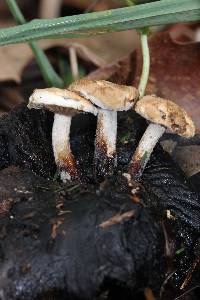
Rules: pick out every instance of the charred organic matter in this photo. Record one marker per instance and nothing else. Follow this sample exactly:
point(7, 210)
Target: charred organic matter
point(82, 257)
point(92, 240)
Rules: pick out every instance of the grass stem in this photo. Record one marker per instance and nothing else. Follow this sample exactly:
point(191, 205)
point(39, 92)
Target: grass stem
point(145, 54)
point(146, 62)
point(130, 2)
point(50, 76)
point(74, 63)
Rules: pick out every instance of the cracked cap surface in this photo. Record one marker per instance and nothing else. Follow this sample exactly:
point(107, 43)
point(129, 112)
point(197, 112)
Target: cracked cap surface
point(105, 94)
point(166, 113)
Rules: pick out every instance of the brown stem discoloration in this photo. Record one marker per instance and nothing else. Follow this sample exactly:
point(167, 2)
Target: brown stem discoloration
point(103, 164)
point(68, 167)
point(105, 158)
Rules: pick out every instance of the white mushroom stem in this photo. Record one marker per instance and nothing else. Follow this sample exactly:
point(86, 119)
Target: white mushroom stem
point(105, 158)
point(144, 149)
point(61, 146)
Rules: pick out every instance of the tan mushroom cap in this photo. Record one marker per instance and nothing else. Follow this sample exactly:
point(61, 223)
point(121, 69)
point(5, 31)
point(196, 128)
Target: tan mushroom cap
point(166, 113)
point(61, 101)
point(105, 94)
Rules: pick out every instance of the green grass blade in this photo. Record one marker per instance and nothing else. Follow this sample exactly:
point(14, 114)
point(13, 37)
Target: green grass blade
point(50, 76)
point(16, 12)
point(150, 14)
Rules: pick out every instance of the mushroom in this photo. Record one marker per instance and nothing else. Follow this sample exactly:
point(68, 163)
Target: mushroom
point(109, 98)
point(162, 114)
point(65, 104)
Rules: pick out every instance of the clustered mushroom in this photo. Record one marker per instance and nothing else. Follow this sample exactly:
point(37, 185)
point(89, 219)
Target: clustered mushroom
point(163, 114)
point(100, 98)
point(109, 98)
point(65, 104)
point(104, 99)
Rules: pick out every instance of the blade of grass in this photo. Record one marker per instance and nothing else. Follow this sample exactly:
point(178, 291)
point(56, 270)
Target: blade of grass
point(130, 2)
point(139, 16)
point(145, 54)
point(146, 61)
point(50, 76)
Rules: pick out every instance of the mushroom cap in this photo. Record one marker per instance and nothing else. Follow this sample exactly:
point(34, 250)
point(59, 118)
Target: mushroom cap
point(61, 101)
point(105, 94)
point(166, 113)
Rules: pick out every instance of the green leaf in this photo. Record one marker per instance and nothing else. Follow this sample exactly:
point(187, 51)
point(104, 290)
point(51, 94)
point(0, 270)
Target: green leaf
point(150, 14)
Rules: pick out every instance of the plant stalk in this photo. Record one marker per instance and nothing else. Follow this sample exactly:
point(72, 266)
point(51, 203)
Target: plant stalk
point(92, 24)
point(73, 63)
point(130, 2)
point(50, 76)
point(145, 54)
point(146, 62)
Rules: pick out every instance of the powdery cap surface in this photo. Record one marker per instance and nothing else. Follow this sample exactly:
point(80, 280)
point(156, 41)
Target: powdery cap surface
point(166, 113)
point(105, 94)
point(61, 101)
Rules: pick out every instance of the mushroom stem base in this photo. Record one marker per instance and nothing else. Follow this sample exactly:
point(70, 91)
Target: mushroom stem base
point(68, 169)
point(144, 150)
point(105, 158)
point(104, 165)
point(64, 158)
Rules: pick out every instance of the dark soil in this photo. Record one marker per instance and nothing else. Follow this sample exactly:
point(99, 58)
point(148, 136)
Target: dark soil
point(92, 240)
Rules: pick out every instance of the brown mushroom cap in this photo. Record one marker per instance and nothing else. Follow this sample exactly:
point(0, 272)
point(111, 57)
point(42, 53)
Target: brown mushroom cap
point(166, 113)
point(61, 101)
point(105, 94)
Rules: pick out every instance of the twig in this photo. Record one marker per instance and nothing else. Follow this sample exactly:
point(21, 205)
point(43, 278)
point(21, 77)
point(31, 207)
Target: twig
point(190, 272)
point(73, 63)
point(162, 289)
point(118, 218)
point(186, 293)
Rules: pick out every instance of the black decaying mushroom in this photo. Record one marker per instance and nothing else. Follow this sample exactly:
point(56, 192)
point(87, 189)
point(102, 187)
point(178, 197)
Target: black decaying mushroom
point(163, 114)
point(65, 104)
point(109, 98)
